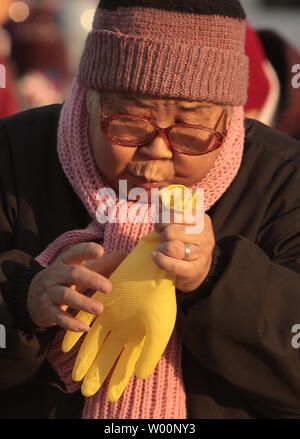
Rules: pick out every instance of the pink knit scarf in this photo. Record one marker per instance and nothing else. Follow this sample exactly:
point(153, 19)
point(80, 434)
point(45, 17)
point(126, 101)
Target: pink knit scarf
point(162, 395)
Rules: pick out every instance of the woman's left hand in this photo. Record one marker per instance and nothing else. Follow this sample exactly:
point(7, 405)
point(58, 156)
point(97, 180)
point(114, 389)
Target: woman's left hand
point(170, 254)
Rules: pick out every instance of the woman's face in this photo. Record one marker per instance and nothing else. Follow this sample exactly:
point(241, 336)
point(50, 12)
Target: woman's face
point(154, 164)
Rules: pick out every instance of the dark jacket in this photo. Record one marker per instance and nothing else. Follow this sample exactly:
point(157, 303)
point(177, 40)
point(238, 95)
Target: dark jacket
point(238, 359)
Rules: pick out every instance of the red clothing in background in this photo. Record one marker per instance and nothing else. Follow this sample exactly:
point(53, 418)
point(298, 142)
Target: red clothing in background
point(8, 100)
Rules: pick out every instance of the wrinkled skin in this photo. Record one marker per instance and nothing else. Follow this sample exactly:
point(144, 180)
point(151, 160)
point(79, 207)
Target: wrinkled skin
point(58, 287)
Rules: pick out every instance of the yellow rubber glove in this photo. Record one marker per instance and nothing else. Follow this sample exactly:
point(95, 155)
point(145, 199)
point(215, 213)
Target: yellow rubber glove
point(135, 327)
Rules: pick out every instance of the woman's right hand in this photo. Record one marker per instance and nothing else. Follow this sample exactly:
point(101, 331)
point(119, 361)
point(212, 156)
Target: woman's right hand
point(56, 288)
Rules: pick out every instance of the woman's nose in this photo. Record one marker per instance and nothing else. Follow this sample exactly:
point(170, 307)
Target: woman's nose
point(158, 148)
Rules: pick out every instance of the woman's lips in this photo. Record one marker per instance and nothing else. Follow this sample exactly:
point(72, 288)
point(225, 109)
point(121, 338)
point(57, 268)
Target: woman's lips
point(150, 185)
point(145, 183)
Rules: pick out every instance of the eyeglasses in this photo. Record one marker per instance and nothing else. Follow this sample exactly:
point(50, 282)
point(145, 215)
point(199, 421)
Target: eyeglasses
point(136, 131)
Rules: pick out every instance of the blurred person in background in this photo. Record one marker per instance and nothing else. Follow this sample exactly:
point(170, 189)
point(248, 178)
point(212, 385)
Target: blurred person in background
point(9, 104)
point(272, 98)
point(40, 59)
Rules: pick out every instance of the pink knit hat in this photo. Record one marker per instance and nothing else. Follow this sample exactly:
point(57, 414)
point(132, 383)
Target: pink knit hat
point(191, 49)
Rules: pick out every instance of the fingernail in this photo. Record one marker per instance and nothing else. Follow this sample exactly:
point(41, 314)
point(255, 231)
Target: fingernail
point(160, 248)
point(82, 328)
point(106, 288)
point(96, 309)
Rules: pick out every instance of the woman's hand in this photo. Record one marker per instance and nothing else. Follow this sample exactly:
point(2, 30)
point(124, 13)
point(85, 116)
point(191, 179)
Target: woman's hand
point(170, 254)
point(58, 287)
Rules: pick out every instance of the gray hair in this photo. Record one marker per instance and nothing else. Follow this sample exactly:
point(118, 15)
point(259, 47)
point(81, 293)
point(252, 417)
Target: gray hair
point(93, 99)
point(94, 102)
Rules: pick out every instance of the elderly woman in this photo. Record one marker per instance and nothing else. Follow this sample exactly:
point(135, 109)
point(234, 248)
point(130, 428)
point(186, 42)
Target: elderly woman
point(158, 100)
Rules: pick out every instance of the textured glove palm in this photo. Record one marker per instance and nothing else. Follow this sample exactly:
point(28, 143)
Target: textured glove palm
point(137, 322)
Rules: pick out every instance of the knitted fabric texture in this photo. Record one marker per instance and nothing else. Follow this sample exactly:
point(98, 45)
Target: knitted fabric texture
point(162, 395)
point(190, 50)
